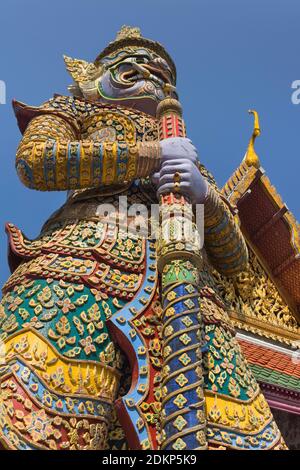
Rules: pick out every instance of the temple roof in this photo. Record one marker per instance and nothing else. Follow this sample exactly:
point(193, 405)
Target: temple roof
point(270, 229)
point(269, 361)
point(277, 372)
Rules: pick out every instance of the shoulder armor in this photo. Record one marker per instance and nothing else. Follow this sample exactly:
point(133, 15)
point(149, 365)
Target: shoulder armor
point(62, 106)
point(19, 246)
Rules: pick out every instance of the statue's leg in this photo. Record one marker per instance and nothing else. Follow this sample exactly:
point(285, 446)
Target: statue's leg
point(238, 414)
point(59, 372)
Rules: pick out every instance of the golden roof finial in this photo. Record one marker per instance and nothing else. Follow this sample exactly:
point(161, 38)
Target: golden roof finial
point(251, 157)
point(128, 32)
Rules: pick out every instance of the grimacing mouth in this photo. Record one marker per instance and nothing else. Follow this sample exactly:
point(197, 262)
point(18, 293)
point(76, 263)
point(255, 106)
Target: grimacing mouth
point(144, 71)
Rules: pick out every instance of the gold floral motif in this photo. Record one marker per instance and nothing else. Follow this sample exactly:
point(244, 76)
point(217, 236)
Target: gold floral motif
point(180, 401)
point(180, 423)
point(255, 301)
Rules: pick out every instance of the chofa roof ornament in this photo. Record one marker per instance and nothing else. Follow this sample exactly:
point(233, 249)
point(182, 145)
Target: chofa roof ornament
point(251, 158)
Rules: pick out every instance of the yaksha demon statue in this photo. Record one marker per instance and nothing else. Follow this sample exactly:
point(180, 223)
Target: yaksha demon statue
point(112, 339)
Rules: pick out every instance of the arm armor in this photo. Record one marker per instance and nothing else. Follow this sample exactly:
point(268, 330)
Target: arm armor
point(224, 242)
point(52, 157)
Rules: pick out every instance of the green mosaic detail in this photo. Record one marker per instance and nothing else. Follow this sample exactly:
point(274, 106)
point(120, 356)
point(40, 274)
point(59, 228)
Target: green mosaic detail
point(179, 271)
point(226, 371)
point(266, 375)
point(70, 316)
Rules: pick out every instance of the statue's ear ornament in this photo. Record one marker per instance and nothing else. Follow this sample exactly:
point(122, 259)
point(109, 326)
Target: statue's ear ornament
point(84, 75)
point(81, 70)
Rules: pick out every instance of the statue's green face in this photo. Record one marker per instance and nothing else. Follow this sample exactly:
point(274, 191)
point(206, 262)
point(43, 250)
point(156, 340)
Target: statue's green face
point(136, 76)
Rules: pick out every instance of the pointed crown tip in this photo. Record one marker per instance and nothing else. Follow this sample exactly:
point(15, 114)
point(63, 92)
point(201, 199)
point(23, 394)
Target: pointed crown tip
point(128, 32)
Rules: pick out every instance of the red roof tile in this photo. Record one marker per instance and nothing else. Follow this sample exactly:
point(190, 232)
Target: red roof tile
point(268, 358)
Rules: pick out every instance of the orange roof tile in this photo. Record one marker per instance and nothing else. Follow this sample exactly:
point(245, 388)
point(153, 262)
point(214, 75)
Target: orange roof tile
point(268, 358)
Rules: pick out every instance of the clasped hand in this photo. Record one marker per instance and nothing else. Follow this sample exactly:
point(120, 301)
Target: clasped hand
point(179, 157)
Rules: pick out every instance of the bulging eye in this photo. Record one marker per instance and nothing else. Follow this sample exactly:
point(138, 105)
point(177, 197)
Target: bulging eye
point(143, 60)
point(161, 63)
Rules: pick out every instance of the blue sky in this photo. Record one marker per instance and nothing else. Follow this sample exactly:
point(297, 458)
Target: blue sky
point(230, 55)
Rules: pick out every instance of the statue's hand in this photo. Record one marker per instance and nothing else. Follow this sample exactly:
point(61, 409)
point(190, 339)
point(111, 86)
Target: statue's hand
point(178, 148)
point(178, 155)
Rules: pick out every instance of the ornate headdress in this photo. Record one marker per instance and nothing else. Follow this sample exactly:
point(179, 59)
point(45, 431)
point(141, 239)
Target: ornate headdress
point(84, 73)
point(131, 36)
